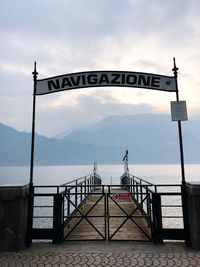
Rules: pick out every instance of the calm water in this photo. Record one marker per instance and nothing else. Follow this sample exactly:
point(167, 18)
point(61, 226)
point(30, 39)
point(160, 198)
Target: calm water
point(56, 175)
point(110, 174)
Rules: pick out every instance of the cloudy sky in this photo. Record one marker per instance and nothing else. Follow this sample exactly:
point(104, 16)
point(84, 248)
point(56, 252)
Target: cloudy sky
point(69, 36)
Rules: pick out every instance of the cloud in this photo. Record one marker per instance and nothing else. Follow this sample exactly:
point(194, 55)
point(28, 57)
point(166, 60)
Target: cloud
point(67, 36)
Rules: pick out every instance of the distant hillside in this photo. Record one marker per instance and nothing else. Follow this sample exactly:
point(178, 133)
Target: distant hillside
point(15, 146)
point(150, 138)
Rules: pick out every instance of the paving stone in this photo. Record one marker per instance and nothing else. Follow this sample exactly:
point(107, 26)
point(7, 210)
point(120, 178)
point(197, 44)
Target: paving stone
point(102, 255)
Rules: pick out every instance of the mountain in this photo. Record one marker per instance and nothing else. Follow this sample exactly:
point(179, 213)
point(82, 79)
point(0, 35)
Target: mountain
point(150, 139)
point(15, 146)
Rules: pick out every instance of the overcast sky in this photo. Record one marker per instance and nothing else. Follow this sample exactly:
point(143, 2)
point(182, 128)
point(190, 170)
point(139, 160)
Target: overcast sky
point(80, 35)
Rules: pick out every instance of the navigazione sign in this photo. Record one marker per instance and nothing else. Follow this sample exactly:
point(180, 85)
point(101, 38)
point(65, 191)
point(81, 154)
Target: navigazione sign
point(98, 79)
point(105, 79)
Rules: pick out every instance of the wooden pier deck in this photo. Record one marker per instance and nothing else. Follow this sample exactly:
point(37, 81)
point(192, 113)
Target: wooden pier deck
point(108, 217)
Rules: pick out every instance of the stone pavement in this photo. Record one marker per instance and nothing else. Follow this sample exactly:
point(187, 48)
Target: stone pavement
point(102, 254)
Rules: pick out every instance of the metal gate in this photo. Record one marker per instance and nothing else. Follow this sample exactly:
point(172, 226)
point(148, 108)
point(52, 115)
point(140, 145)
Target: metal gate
point(126, 219)
point(84, 209)
point(97, 212)
point(85, 220)
point(107, 213)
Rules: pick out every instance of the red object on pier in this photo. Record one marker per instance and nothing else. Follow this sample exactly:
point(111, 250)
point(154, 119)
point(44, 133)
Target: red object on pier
point(121, 196)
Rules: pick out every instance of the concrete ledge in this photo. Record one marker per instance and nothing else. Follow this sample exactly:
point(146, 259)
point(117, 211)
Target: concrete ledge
point(11, 192)
point(13, 219)
point(193, 189)
point(193, 200)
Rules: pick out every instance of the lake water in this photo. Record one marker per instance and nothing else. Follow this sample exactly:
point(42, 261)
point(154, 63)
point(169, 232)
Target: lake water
point(55, 175)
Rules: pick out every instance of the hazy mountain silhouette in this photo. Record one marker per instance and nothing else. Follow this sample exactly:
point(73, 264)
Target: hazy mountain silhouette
point(150, 139)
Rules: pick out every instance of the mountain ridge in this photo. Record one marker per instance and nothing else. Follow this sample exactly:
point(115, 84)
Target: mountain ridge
point(150, 139)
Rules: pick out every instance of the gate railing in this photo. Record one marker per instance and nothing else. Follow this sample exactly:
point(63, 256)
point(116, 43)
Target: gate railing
point(77, 191)
point(48, 206)
point(54, 206)
point(168, 213)
point(165, 206)
point(140, 214)
point(107, 194)
point(75, 211)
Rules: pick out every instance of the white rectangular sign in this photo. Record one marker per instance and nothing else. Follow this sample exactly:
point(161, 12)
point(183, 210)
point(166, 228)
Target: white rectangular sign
point(179, 111)
point(105, 79)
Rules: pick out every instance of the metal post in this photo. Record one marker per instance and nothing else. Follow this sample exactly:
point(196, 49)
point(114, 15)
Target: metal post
point(35, 73)
point(134, 189)
point(81, 188)
point(137, 197)
point(175, 70)
point(107, 217)
point(183, 188)
point(85, 193)
point(157, 219)
point(57, 218)
point(76, 196)
point(31, 189)
point(148, 205)
point(141, 196)
point(68, 203)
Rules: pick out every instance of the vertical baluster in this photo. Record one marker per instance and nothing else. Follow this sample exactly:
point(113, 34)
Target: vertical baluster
point(85, 188)
point(76, 191)
point(81, 189)
point(141, 195)
point(137, 197)
point(148, 202)
point(133, 188)
point(88, 186)
point(68, 202)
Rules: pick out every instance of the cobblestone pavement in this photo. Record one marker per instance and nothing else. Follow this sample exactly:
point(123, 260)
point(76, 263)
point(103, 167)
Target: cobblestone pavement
point(104, 254)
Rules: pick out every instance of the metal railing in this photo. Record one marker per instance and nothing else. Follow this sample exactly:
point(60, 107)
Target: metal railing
point(49, 205)
point(77, 191)
point(164, 203)
point(160, 205)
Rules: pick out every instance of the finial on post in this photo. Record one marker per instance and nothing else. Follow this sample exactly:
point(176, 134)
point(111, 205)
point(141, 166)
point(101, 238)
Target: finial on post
point(35, 73)
point(175, 69)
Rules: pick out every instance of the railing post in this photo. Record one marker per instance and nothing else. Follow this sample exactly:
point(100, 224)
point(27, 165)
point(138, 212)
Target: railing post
point(185, 215)
point(141, 196)
point(85, 187)
point(68, 202)
point(148, 205)
point(107, 216)
point(88, 187)
point(57, 218)
point(137, 197)
point(134, 189)
point(157, 218)
point(76, 191)
point(30, 216)
point(90, 183)
point(81, 187)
